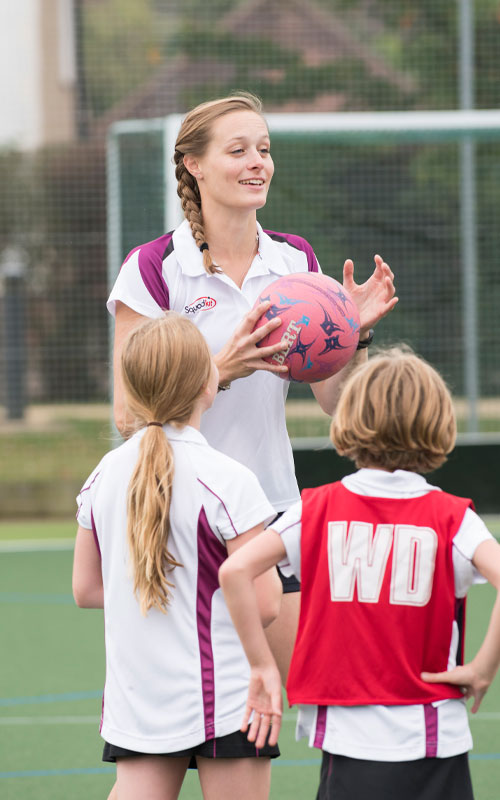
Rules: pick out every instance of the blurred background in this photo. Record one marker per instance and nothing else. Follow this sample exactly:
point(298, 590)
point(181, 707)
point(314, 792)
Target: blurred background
point(79, 189)
point(89, 90)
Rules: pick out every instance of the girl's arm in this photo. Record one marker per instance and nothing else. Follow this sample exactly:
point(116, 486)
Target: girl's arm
point(476, 676)
point(374, 299)
point(87, 577)
point(237, 575)
point(125, 321)
point(268, 588)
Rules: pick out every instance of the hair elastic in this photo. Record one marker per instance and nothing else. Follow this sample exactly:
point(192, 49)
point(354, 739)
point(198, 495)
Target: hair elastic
point(366, 342)
point(160, 424)
point(203, 247)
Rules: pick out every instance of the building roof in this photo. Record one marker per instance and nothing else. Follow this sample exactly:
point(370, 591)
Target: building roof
point(317, 35)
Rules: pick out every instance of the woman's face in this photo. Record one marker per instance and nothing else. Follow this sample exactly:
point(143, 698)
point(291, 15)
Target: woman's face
point(237, 167)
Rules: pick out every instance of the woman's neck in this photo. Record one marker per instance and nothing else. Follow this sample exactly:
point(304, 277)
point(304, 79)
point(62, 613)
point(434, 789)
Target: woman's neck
point(231, 238)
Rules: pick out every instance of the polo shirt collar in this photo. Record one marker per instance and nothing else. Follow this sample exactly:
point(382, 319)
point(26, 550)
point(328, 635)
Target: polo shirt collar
point(190, 260)
point(380, 483)
point(184, 434)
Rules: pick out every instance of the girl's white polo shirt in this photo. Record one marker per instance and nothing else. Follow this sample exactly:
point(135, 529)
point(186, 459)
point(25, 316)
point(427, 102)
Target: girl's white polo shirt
point(246, 422)
point(177, 679)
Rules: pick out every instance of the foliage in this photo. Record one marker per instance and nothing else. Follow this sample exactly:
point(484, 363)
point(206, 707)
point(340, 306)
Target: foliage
point(423, 39)
point(120, 50)
point(279, 74)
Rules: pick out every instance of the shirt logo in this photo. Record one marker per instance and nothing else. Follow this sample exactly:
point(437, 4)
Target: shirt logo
point(201, 304)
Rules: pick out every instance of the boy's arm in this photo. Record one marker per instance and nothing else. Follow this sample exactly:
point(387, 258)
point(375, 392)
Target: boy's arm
point(475, 677)
point(236, 577)
point(88, 589)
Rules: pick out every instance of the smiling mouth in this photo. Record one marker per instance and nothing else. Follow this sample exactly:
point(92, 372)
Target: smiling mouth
point(253, 182)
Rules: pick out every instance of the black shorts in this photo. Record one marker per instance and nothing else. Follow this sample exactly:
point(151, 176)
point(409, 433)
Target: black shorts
point(291, 584)
point(234, 745)
point(344, 778)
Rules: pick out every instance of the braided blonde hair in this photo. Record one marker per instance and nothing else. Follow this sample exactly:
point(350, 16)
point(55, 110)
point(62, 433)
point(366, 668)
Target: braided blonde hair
point(193, 139)
point(166, 364)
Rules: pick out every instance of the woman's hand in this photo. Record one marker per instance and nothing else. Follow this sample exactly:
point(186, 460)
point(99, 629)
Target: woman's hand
point(240, 356)
point(374, 298)
point(265, 701)
point(472, 681)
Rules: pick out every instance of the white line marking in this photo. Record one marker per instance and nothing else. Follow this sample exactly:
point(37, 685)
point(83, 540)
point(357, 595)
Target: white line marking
point(91, 720)
point(35, 545)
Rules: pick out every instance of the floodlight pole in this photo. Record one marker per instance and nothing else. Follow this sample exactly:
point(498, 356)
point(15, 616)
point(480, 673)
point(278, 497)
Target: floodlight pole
point(468, 220)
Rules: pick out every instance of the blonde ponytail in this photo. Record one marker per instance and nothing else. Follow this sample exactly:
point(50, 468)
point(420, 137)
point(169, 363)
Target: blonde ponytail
point(159, 388)
point(148, 524)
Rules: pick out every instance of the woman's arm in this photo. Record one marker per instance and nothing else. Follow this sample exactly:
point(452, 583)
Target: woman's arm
point(476, 676)
point(237, 575)
point(125, 321)
point(87, 577)
point(374, 299)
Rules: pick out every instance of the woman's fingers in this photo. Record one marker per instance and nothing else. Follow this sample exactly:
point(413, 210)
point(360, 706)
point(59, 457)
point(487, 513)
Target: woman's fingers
point(263, 330)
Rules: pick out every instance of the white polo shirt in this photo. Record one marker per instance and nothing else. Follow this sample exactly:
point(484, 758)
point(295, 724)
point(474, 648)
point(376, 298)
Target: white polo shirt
point(177, 679)
point(248, 421)
point(390, 733)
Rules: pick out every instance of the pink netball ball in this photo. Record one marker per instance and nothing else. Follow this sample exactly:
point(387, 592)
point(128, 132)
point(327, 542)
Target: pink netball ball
point(319, 322)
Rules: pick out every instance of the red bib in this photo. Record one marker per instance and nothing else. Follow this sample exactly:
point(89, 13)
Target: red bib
point(378, 598)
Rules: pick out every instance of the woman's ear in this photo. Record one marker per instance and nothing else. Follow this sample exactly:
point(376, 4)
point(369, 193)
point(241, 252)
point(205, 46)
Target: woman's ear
point(192, 166)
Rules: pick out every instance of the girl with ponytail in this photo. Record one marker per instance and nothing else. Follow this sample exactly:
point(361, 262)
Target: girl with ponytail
point(157, 518)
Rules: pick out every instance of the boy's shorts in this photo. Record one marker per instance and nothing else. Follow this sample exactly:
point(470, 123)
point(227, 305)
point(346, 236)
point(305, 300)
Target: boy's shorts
point(344, 778)
point(234, 745)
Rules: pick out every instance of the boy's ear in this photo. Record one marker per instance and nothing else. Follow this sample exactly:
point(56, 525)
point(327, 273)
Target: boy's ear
point(192, 166)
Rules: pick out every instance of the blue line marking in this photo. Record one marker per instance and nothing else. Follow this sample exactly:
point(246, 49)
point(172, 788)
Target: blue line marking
point(484, 756)
point(49, 698)
point(47, 773)
point(299, 762)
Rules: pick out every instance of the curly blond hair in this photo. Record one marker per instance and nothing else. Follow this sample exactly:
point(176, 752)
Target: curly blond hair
point(395, 412)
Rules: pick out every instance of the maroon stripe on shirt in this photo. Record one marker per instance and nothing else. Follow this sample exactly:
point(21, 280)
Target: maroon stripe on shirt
point(319, 735)
point(151, 256)
point(431, 730)
point(211, 554)
point(300, 244)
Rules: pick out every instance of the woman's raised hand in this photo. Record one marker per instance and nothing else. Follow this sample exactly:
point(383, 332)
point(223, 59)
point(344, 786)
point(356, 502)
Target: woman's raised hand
point(240, 356)
point(374, 298)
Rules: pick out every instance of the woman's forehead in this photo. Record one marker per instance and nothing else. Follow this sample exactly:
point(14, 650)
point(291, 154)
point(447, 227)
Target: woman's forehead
point(239, 125)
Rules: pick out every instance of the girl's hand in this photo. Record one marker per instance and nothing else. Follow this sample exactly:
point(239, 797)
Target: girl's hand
point(240, 356)
point(265, 701)
point(374, 298)
point(468, 677)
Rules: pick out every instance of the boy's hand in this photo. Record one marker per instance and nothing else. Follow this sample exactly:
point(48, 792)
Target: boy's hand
point(265, 701)
point(468, 677)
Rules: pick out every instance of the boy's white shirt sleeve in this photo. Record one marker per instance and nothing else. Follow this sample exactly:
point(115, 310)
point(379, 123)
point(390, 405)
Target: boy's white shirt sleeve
point(289, 527)
point(470, 535)
point(238, 504)
point(129, 288)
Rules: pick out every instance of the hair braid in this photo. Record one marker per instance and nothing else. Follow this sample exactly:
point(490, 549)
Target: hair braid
point(189, 193)
point(193, 139)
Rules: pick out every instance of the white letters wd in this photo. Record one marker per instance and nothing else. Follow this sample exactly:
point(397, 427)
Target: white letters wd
point(413, 563)
point(358, 557)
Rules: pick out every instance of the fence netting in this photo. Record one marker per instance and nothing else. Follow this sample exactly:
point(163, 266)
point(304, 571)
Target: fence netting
point(140, 59)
